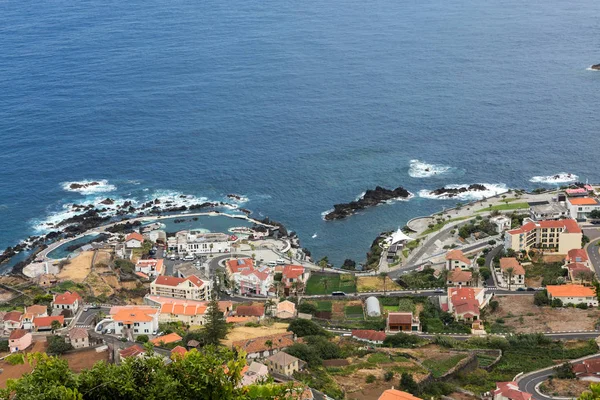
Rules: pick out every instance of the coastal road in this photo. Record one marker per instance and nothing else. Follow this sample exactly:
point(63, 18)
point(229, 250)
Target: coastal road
point(489, 260)
point(87, 317)
point(529, 382)
point(593, 250)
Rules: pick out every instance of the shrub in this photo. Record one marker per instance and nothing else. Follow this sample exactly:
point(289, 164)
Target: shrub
point(307, 308)
point(252, 324)
point(4, 345)
point(142, 338)
point(388, 376)
point(556, 303)
point(408, 384)
point(401, 339)
point(583, 306)
point(370, 378)
point(57, 345)
point(541, 298)
point(564, 371)
point(494, 305)
point(305, 327)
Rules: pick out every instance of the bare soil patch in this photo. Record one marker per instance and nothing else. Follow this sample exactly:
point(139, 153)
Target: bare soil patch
point(103, 257)
point(520, 313)
point(375, 283)
point(78, 269)
point(564, 387)
point(85, 359)
point(245, 332)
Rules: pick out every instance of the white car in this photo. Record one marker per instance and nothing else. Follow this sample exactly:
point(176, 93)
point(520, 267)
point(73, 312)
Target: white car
point(189, 257)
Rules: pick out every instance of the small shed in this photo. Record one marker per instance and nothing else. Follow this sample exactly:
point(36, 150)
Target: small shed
point(372, 306)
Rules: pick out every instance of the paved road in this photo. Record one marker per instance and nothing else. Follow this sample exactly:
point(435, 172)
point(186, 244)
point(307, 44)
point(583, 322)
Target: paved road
point(87, 317)
point(593, 250)
point(529, 382)
point(489, 261)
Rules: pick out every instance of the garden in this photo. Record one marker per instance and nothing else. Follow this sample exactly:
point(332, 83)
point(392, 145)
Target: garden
point(320, 283)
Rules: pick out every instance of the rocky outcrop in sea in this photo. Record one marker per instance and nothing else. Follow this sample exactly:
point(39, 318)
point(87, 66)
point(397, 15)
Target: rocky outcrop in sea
point(452, 192)
point(371, 198)
point(596, 67)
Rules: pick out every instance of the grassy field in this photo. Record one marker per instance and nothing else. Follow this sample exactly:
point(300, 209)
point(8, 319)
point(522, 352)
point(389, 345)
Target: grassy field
point(406, 305)
point(353, 311)
point(440, 225)
point(375, 283)
point(391, 308)
point(324, 305)
point(325, 284)
point(440, 367)
point(505, 207)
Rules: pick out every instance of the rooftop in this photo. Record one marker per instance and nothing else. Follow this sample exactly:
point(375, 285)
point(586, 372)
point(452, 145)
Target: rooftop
point(250, 311)
point(457, 255)
point(577, 255)
point(511, 391)
point(511, 262)
point(369, 334)
point(67, 298)
point(582, 201)
point(570, 291)
point(78, 333)
point(400, 317)
point(131, 314)
point(166, 339)
point(278, 341)
point(283, 358)
point(458, 275)
point(17, 334)
point(393, 394)
point(135, 236)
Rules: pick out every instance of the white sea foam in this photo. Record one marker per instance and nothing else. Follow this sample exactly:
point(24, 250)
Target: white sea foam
point(492, 189)
point(314, 236)
point(420, 169)
point(592, 69)
point(89, 186)
point(324, 213)
point(562, 177)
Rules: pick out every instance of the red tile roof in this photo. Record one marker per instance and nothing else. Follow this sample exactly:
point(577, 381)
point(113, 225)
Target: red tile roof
point(393, 394)
point(587, 367)
point(67, 298)
point(13, 316)
point(17, 334)
point(133, 314)
point(403, 318)
point(511, 391)
point(464, 301)
point(457, 255)
point(136, 236)
point(250, 311)
point(168, 280)
point(166, 339)
point(260, 275)
point(78, 333)
point(46, 322)
point(179, 350)
point(458, 275)
point(577, 255)
point(292, 271)
point(570, 291)
point(239, 264)
point(134, 350)
point(511, 262)
point(569, 225)
point(583, 201)
point(369, 334)
point(278, 342)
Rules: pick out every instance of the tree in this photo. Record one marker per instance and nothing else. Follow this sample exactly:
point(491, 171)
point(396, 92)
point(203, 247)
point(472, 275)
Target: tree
point(142, 338)
point(593, 394)
point(510, 271)
point(556, 303)
point(323, 263)
point(55, 325)
point(494, 305)
point(215, 328)
point(595, 214)
point(4, 346)
point(349, 265)
point(541, 298)
point(384, 276)
point(475, 278)
point(306, 327)
point(57, 345)
point(408, 384)
point(564, 371)
point(307, 308)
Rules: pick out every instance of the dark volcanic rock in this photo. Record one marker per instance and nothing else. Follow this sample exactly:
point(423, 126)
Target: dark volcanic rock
point(107, 201)
point(234, 196)
point(371, 198)
point(596, 67)
point(452, 192)
point(75, 186)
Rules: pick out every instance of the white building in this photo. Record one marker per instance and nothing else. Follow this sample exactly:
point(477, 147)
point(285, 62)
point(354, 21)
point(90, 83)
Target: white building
point(67, 301)
point(79, 338)
point(247, 278)
point(574, 294)
point(560, 236)
point(134, 320)
point(195, 242)
point(548, 211)
point(134, 240)
point(501, 222)
point(517, 276)
point(457, 259)
point(191, 288)
point(150, 267)
point(581, 207)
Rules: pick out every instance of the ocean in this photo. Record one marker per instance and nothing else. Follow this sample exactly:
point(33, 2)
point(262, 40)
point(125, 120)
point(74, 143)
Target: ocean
point(294, 105)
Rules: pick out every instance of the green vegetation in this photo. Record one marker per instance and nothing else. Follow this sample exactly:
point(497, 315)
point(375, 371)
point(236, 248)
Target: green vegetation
point(391, 308)
point(353, 312)
point(552, 274)
point(379, 358)
point(440, 225)
point(57, 345)
point(70, 286)
point(422, 280)
point(328, 283)
point(485, 359)
point(402, 339)
point(440, 367)
point(306, 327)
point(142, 378)
point(406, 305)
point(434, 320)
point(215, 327)
point(324, 305)
point(505, 207)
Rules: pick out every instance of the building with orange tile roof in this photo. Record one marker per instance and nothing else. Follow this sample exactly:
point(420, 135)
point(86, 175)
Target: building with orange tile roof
point(290, 274)
point(151, 267)
point(458, 277)
point(457, 259)
point(19, 340)
point(134, 240)
point(577, 256)
point(134, 320)
point(574, 294)
point(369, 335)
point(560, 236)
point(466, 303)
point(67, 301)
point(190, 312)
point(393, 394)
point(134, 351)
point(31, 312)
point(166, 339)
point(285, 310)
point(249, 280)
point(581, 207)
point(262, 347)
point(12, 320)
point(509, 391)
point(250, 311)
point(180, 351)
point(516, 275)
point(190, 288)
point(45, 323)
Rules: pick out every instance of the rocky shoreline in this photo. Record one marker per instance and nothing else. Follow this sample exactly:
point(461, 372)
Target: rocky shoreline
point(371, 198)
point(453, 192)
point(595, 67)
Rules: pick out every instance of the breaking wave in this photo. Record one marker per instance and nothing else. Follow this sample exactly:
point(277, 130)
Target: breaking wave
point(88, 187)
point(492, 189)
point(420, 169)
point(562, 177)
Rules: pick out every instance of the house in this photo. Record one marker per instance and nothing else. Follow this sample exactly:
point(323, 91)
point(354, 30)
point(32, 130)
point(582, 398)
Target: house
point(580, 191)
point(369, 336)
point(577, 256)
point(465, 303)
point(250, 311)
point(545, 211)
point(79, 338)
point(458, 277)
point(512, 271)
point(67, 301)
point(501, 222)
point(31, 312)
point(284, 364)
point(560, 236)
point(247, 278)
point(254, 373)
point(574, 294)
point(134, 240)
point(237, 265)
point(199, 242)
point(579, 273)
point(190, 312)
point(373, 309)
point(393, 394)
point(293, 277)
point(581, 207)
point(191, 288)
point(166, 339)
point(150, 267)
point(134, 320)
point(285, 310)
point(178, 351)
point(265, 346)
point(402, 322)
point(13, 320)
point(509, 391)
point(19, 339)
point(45, 323)
point(134, 351)
point(457, 259)
point(588, 370)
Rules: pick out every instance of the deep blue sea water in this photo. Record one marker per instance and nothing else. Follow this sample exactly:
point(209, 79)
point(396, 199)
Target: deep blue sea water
point(296, 105)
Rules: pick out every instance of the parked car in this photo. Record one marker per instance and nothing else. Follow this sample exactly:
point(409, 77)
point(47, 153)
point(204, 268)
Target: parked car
point(338, 293)
point(189, 257)
point(439, 291)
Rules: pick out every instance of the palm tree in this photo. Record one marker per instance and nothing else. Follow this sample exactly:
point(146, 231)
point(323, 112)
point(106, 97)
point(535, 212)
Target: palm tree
point(475, 276)
point(510, 271)
point(269, 307)
point(325, 283)
point(384, 276)
point(322, 264)
point(295, 287)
